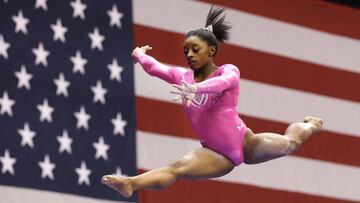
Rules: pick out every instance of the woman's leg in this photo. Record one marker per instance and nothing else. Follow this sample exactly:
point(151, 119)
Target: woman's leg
point(200, 163)
point(263, 147)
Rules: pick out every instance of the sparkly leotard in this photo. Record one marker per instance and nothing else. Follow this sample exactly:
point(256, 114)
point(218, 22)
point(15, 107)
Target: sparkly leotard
point(213, 111)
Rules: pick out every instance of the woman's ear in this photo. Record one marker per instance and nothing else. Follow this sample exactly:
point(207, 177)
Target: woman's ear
point(212, 51)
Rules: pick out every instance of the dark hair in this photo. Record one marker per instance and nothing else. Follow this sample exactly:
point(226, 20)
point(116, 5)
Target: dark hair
point(220, 28)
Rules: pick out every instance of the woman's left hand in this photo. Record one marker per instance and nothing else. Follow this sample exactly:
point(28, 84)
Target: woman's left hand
point(185, 89)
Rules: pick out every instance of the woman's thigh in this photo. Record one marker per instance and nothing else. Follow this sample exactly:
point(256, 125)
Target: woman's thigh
point(203, 163)
point(263, 147)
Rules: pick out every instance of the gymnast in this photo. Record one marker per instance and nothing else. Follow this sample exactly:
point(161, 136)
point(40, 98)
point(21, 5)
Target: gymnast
point(209, 95)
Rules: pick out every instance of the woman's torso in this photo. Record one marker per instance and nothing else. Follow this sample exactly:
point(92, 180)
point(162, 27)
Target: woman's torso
point(214, 117)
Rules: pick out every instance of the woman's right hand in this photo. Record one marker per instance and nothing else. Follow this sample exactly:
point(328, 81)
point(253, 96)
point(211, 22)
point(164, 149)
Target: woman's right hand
point(142, 50)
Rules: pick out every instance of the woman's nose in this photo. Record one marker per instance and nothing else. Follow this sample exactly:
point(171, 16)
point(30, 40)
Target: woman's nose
point(189, 54)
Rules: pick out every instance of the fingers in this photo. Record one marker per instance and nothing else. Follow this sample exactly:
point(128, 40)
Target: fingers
point(177, 98)
point(191, 88)
point(179, 87)
point(187, 86)
point(188, 103)
point(186, 90)
point(185, 83)
point(147, 47)
point(179, 94)
point(143, 49)
point(176, 92)
point(188, 98)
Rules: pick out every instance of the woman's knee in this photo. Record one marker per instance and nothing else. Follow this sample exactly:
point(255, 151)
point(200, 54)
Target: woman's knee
point(297, 133)
point(292, 146)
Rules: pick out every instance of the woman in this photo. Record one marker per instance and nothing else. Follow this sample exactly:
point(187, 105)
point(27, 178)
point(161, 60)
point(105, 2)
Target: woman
point(210, 96)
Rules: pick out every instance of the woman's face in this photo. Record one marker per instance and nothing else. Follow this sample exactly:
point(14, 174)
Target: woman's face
point(197, 52)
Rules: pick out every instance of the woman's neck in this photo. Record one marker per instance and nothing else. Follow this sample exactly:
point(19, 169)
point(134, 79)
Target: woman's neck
point(205, 72)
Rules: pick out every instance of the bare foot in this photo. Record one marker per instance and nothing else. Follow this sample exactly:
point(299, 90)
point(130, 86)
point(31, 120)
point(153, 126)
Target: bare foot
point(317, 123)
point(121, 184)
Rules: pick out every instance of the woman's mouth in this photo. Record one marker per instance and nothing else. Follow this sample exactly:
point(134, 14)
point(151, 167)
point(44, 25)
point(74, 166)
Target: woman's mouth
point(191, 62)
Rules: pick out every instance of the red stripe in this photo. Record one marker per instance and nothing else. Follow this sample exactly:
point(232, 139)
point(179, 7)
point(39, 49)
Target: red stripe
point(319, 15)
point(216, 191)
point(259, 66)
point(168, 118)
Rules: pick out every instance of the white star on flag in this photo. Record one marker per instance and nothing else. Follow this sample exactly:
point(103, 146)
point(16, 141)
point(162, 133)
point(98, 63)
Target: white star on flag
point(6, 104)
point(41, 4)
point(61, 85)
point(7, 163)
point(78, 9)
point(45, 111)
point(65, 142)
point(47, 168)
point(4, 47)
point(23, 78)
point(119, 125)
point(20, 23)
point(27, 136)
point(101, 149)
point(59, 31)
point(115, 16)
point(115, 70)
point(78, 63)
point(41, 55)
point(83, 173)
point(82, 118)
point(96, 39)
point(99, 92)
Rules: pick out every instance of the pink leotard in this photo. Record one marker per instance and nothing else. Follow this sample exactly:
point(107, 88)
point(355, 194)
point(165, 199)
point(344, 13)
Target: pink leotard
point(213, 111)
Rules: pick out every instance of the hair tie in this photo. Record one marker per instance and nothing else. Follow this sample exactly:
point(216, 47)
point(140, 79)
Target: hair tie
point(209, 28)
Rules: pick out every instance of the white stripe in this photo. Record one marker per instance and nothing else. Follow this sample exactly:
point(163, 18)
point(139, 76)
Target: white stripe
point(289, 174)
point(272, 102)
point(9, 194)
point(255, 32)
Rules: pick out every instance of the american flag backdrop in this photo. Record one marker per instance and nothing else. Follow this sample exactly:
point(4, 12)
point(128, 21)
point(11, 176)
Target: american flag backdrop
point(72, 101)
point(296, 58)
point(67, 113)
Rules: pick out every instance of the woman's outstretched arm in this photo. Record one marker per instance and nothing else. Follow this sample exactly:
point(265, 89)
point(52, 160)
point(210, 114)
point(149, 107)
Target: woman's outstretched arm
point(155, 68)
point(229, 78)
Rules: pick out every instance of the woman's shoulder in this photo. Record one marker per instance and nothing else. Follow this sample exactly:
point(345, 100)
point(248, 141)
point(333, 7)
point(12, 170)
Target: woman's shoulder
point(230, 67)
